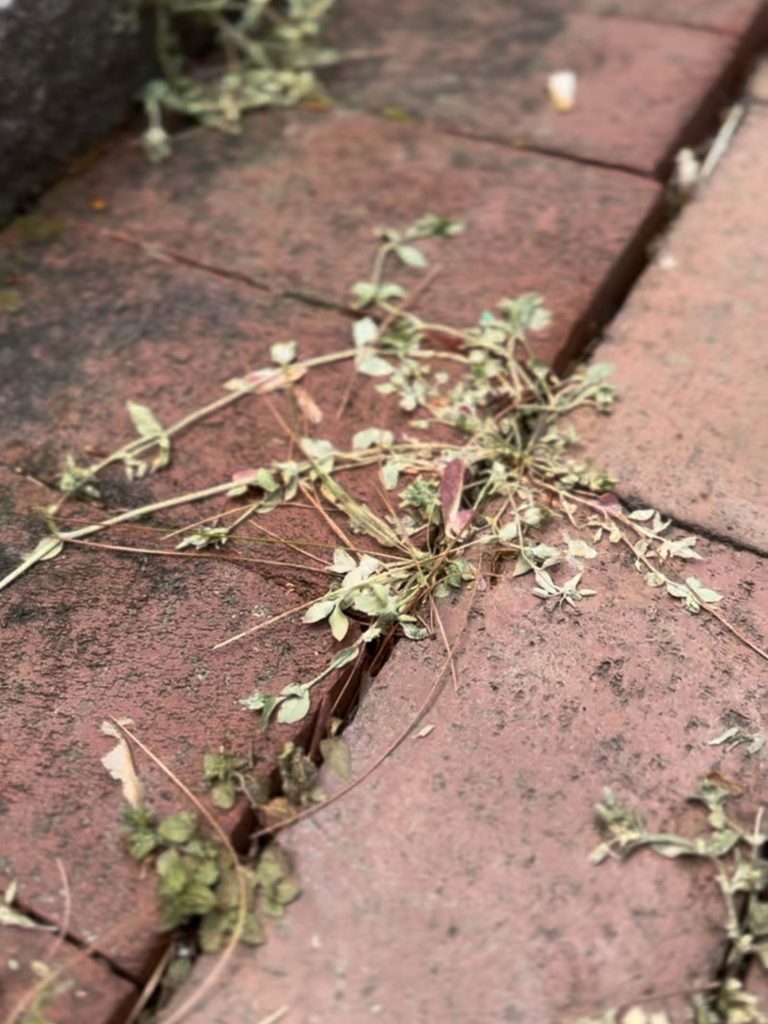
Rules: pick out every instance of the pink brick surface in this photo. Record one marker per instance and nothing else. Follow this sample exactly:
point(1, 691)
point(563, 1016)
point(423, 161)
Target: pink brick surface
point(482, 69)
point(86, 992)
point(736, 16)
point(99, 633)
point(690, 435)
point(453, 884)
point(294, 204)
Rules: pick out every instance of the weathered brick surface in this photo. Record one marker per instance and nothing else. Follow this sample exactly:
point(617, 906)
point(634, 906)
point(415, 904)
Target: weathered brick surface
point(96, 633)
point(453, 884)
point(85, 991)
point(482, 69)
point(295, 202)
point(736, 16)
point(691, 432)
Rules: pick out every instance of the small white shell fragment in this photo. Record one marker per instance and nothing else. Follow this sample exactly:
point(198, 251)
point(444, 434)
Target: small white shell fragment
point(687, 171)
point(562, 90)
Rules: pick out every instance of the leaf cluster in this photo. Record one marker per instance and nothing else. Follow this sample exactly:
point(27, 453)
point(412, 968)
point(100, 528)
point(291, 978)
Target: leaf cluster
point(196, 879)
point(260, 53)
point(738, 856)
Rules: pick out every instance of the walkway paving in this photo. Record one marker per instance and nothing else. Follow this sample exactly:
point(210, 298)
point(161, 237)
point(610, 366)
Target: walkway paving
point(184, 281)
point(454, 884)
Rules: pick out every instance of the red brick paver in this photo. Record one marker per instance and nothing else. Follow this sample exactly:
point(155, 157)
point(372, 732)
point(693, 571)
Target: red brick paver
point(295, 203)
point(453, 885)
point(690, 435)
point(84, 991)
point(737, 16)
point(482, 69)
point(99, 633)
point(488, 818)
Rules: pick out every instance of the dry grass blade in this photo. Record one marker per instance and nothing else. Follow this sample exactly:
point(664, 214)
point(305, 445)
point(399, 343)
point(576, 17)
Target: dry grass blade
point(263, 625)
point(150, 985)
point(66, 916)
point(219, 557)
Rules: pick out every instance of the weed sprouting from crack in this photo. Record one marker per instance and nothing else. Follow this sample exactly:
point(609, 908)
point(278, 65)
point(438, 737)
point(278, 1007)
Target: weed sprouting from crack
point(737, 856)
point(485, 462)
point(262, 53)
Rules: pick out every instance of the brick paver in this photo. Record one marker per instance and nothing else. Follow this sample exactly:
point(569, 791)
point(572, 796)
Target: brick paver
point(98, 633)
point(737, 16)
point(84, 991)
point(453, 884)
point(617, 695)
point(482, 69)
point(294, 204)
point(690, 435)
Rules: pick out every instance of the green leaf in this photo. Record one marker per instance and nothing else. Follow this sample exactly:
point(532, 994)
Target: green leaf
point(414, 630)
point(345, 656)
point(339, 623)
point(318, 451)
point(273, 867)
point(433, 226)
point(172, 871)
point(295, 704)
point(373, 366)
point(144, 421)
point(343, 563)
point(141, 844)
point(224, 794)
point(178, 828)
point(390, 474)
point(286, 891)
point(214, 928)
point(372, 436)
point(262, 702)
point(269, 906)
point(265, 479)
point(704, 594)
point(148, 427)
point(411, 256)
point(364, 293)
point(365, 332)
point(390, 291)
point(253, 930)
point(48, 547)
point(642, 515)
point(319, 611)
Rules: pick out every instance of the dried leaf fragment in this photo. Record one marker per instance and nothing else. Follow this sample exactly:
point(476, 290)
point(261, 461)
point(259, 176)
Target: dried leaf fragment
point(455, 519)
point(12, 918)
point(121, 766)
